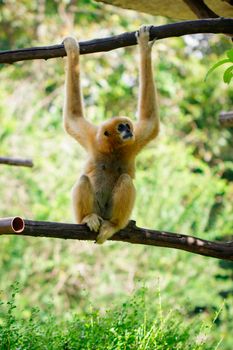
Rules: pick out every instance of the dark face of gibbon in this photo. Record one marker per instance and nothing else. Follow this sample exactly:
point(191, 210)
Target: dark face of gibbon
point(115, 133)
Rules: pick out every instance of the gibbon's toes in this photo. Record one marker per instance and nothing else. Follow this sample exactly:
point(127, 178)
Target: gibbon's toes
point(93, 221)
point(107, 230)
point(71, 45)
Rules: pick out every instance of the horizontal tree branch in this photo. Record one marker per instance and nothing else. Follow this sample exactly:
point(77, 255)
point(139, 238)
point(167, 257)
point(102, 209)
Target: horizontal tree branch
point(16, 161)
point(216, 25)
point(226, 119)
point(131, 234)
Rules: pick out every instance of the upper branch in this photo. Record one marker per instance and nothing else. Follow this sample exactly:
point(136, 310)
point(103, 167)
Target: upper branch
point(130, 234)
point(216, 25)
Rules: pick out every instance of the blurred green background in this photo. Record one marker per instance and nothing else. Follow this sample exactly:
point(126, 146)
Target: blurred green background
point(184, 178)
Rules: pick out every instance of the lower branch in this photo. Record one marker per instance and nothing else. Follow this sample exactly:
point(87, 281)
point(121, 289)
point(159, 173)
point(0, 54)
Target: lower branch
point(131, 234)
point(16, 162)
point(213, 25)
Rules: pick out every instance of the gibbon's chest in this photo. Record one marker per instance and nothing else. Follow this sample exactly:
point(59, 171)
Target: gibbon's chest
point(104, 171)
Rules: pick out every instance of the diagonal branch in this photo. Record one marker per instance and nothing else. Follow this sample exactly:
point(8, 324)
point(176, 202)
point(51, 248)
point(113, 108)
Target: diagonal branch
point(216, 25)
point(200, 9)
point(131, 234)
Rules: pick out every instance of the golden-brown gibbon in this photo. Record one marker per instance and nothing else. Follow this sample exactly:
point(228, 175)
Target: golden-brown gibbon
point(103, 197)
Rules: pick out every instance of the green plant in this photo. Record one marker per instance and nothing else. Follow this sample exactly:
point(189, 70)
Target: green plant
point(228, 74)
point(130, 326)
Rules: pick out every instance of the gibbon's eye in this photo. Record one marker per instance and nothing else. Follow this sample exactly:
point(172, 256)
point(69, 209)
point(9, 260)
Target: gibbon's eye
point(127, 126)
point(106, 133)
point(121, 127)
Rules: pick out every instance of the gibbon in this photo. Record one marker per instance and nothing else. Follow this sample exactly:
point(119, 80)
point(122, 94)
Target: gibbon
point(103, 197)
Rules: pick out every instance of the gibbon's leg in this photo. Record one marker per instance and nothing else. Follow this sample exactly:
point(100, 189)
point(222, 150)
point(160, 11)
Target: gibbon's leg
point(122, 204)
point(83, 204)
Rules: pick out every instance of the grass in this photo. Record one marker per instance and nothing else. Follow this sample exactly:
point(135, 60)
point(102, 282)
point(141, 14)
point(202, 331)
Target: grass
point(133, 325)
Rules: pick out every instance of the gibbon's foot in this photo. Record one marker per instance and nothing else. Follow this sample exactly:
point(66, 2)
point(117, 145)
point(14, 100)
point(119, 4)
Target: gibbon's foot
point(71, 45)
point(107, 230)
point(93, 221)
point(143, 37)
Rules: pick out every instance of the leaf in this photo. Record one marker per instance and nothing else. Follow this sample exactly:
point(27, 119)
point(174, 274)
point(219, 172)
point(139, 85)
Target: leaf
point(216, 65)
point(230, 55)
point(228, 75)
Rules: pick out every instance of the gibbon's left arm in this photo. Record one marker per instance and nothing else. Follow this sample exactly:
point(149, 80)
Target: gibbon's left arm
point(147, 126)
point(74, 122)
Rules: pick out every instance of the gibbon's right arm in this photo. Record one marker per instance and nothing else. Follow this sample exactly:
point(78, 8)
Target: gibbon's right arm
point(74, 122)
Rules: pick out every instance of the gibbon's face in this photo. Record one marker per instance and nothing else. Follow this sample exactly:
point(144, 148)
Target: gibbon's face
point(116, 133)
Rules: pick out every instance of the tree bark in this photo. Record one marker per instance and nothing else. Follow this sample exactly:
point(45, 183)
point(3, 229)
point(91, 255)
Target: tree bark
point(130, 234)
point(16, 161)
point(216, 25)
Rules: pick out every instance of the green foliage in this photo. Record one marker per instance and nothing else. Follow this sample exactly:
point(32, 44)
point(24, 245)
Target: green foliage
point(129, 326)
point(228, 74)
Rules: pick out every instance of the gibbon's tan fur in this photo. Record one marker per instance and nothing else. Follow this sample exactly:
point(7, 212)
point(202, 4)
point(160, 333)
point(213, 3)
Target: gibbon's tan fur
point(103, 198)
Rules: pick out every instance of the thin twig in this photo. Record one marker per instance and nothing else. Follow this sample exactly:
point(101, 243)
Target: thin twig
point(16, 162)
point(216, 25)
